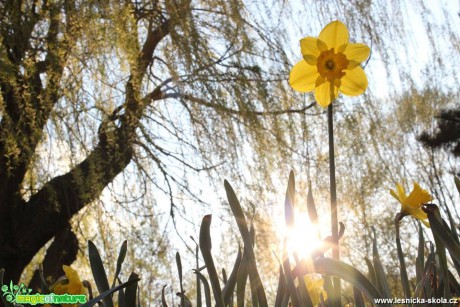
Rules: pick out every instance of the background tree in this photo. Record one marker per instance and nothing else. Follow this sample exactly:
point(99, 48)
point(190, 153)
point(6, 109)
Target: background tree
point(447, 134)
point(99, 86)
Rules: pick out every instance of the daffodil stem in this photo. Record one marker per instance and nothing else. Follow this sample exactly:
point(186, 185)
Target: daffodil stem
point(333, 191)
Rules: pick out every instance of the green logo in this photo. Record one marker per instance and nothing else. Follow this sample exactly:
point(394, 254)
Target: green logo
point(21, 295)
point(13, 291)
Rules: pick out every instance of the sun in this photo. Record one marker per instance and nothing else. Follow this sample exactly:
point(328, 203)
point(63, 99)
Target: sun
point(303, 238)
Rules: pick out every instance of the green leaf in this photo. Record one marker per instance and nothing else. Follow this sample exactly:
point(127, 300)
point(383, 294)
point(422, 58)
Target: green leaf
point(424, 283)
point(329, 287)
point(121, 258)
point(163, 298)
point(100, 277)
point(419, 261)
point(442, 238)
point(121, 298)
point(342, 270)
point(281, 291)
point(207, 290)
point(289, 202)
point(303, 292)
point(457, 183)
point(371, 270)
point(311, 207)
point(179, 270)
point(455, 237)
point(205, 247)
point(241, 281)
point(43, 285)
point(358, 298)
point(291, 288)
point(243, 227)
point(231, 283)
point(402, 264)
point(109, 292)
point(183, 297)
point(131, 290)
point(379, 272)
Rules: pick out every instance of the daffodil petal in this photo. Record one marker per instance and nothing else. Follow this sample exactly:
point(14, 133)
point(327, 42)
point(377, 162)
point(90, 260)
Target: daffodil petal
point(335, 34)
point(74, 286)
point(419, 214)
point(357, 52)
point(401, 192)
point(323, 94)
point(354, 82)
point(393, 193)
point(303, 76)
point(426, 223)
point(321, 45)
point(309, 47)
point(417, 197)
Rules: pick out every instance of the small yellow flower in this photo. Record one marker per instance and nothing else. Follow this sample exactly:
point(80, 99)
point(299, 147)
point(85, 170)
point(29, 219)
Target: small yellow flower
point(330, 65)
point(73, 286)
point(411, 205)
point(315, 289)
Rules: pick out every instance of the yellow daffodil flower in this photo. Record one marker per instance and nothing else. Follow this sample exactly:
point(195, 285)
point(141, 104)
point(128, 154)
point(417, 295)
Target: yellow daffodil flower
point(411, 205)
point(315, 289)
point(73, 286)
point(330, 65)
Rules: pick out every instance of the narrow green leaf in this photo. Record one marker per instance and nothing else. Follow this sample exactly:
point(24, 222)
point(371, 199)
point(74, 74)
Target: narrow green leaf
point(139, 299)
point(205, 247)
point(342, 270)
point(442, 231)
point(131, 291)
point(379, 271)
point(420, 260)
point(286, 299)
point(402, 264)
point(121, 298)
point(43, 285)
point(454, 285)
point(457, 183)
point(231, 283)
point(179, 270)
point(423, 284)
point(163, 298)
point(198, 283)
point(241, 281)
point(289, 202)
point(358, 298)
point(455, 237)
point(291, 288)
point(430, 268)
point(281, 291)
point(371, 270)
point(243, 227)
point(224, 276)
point(121, 258)
point(329, 287)
point(187, 302)
point(207, 290)
point(311, 207)
point(109, 293)
point(100, 277)
point(442, 239)
point(303, 292)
